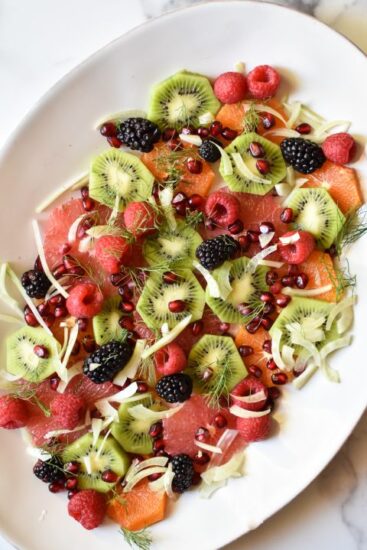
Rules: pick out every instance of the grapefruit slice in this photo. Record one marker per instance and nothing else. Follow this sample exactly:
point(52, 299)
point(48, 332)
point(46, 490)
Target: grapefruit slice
point(341, 182)
point(320, 270)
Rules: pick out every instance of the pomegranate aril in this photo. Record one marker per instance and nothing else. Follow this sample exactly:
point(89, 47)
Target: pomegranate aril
point(56, 486)
point(283, 300)
point(266, 227)
point(267, 346)
point(188, 130)
point(142, 387)
point(266, 297)
point(174, 145)
point(49, 319)
point(268, 120)
point(127, 323)
point(95, 413)
point(72, 467)
point(72, 492)
point(287, 280)
point(30, 319)
point(286, 215)
point(84, 192)
point(116, 279)
point(76, 348)
point(203, 132)
point(271, 365)
point(181, 209)
point(201, 458)
point(292, 269)
point(304, 128)
point(43, 308)
point(41, 351)
point(154, 477)
point(125, 292)
point(114, 142)
point(108, 129)
point(302, 280)
point(60, 311)
point(274, 392)
point(253, 235)
point(220, 421)
point(88, 204)
point(57, 300)
point(127, 307)
point(269, 308)
point(65, 248)
point(169, 277)
point(156, 429)
point(169, 133)
point(244, 242)
point(210, 224)
point(215, 128)
point(196, 202)
point(267, 323)
point(89, 343)
point(263, 166)
point(235, 227)
point(109, 476)
point(279, 378)
point(245, 351)
point(228, 134)
point(59, 271)
point(77, 271)
point(276, 287)
point(253, 326)
point(202, 434)
point(179, 198)
point(223, 327)
point(68, 261)
point(177, 306)
point(244, 309)
point(207, 374)
point(197, 328)
point(71, 483)
point(194, 166)
point(82, 324)
point(255, 371)
point(158, 445)
point(54, 382)
point(256, 149)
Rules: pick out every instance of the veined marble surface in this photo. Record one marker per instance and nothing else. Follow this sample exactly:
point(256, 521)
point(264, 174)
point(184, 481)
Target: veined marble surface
point(40, 41)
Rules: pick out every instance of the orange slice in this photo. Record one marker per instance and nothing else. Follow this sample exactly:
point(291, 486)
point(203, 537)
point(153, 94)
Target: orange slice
point(320, 270)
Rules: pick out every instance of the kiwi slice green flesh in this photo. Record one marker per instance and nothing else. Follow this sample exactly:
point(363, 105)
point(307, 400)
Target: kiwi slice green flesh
point(105, 454)
point(237, 181)
point(315, 211)
point(180, 99)
point(172, 246)
point(21, 359)
point(132, 434)
point(217, 353)
point(156, 296)
point(303, 311)
point(106, 324)
point(245, 289)
point(115, 173)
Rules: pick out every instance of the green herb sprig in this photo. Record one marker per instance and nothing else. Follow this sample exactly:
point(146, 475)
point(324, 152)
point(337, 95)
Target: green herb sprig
point(142, 540)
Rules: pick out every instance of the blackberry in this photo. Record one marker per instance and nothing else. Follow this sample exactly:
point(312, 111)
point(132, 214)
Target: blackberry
point(174, 388)
point(50, 470)
point(183, 469)
point(213, 252)
point(138, 134)
point(209, 151)
point(35, 283)
point(110, 358)
point(304, 155)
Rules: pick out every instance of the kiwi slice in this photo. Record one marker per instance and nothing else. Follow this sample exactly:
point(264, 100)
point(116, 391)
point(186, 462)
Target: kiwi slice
point(180, 99)
point(21, 358)
point(157, 294)
point(172, 246)
point(115, 174)
point(245, 289)
point(132, 434)
point(106, 324)
point(240, 179)
point(315, 211)
point(94, 459)
point(218, 356)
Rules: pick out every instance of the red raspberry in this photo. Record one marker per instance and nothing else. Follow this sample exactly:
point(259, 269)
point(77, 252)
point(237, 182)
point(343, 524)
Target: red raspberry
point(249, 386)
point(254, 429)
point(263, 82)
point(88, 507)
point(85, 300)
point(299, 251)
point(67, 409)
point(111, 252)
point(170, 359)
point(13, 413)
point(223, 208)
point(339, 148)
point(230, 87)
point(140, 218)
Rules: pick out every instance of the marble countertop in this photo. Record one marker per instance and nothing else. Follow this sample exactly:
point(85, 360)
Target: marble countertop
point(34, 54)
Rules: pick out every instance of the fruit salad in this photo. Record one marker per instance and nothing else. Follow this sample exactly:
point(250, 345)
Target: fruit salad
point(195, 270)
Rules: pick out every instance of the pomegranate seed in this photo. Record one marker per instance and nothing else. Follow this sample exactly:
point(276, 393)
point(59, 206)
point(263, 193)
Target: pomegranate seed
point(196, 479)
point(155, 192)
point(271, 365)
point(202, 434)
point(269, 308)
point(30, 319)
point(72, 467)
point(84, 192)
point(108, 129)
point(72, 492)
point(169, 277)
point(288, 280)
point(174, 145)
point(158, 445)
point(267, 346)
point(276, 287)
point(267, 323)
point(253, 326)
point(245, 351)
point(194, 166)
point(268, 120)
point(77, 271)
point(283, 300)
point(127, 307)
point(188, 130)
point(271, 277)
point(127, 323)
point(229, 134)
point(169, 133)
point(244, 242)
point(56, 486)
point(279, 378)
point(43, 308)
point(196, 202)
point(71, 483)
point(162, 452)
point(181, 209)
point(266, 227)
point(68, 261)
point(210, 224)
point(274, 392)
point(292, 269)
point(88, 204)
point(156, 429)
point(116, 279)
point(109, 476)
point(286, 215)
point(263, 166)
point(89, 343)
point(224, 327)
point(76, 348)
point(203, 132)
point(256, 149)
point(57, 300)
point(253, 235)
point(201, 458)
point(207, 374)
point(302, 280)
point(297, 371)
point(266, 297)
point(125, 292)
point(114, 142)
point(220, 421)
point(176, 306)
point(235, 227)
point(154, 477)
point(332, 251)
point(41, 351)
point(304, 128)
point(244, 309)
point(59, 271)
point(65, 248)
point(60, 311)
point(37, 264)
point(215, 128)
point(142, 387)
point(197, 328)
point(54, 382)
point(179, 198)
point(255, 371)
point(82, 324)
